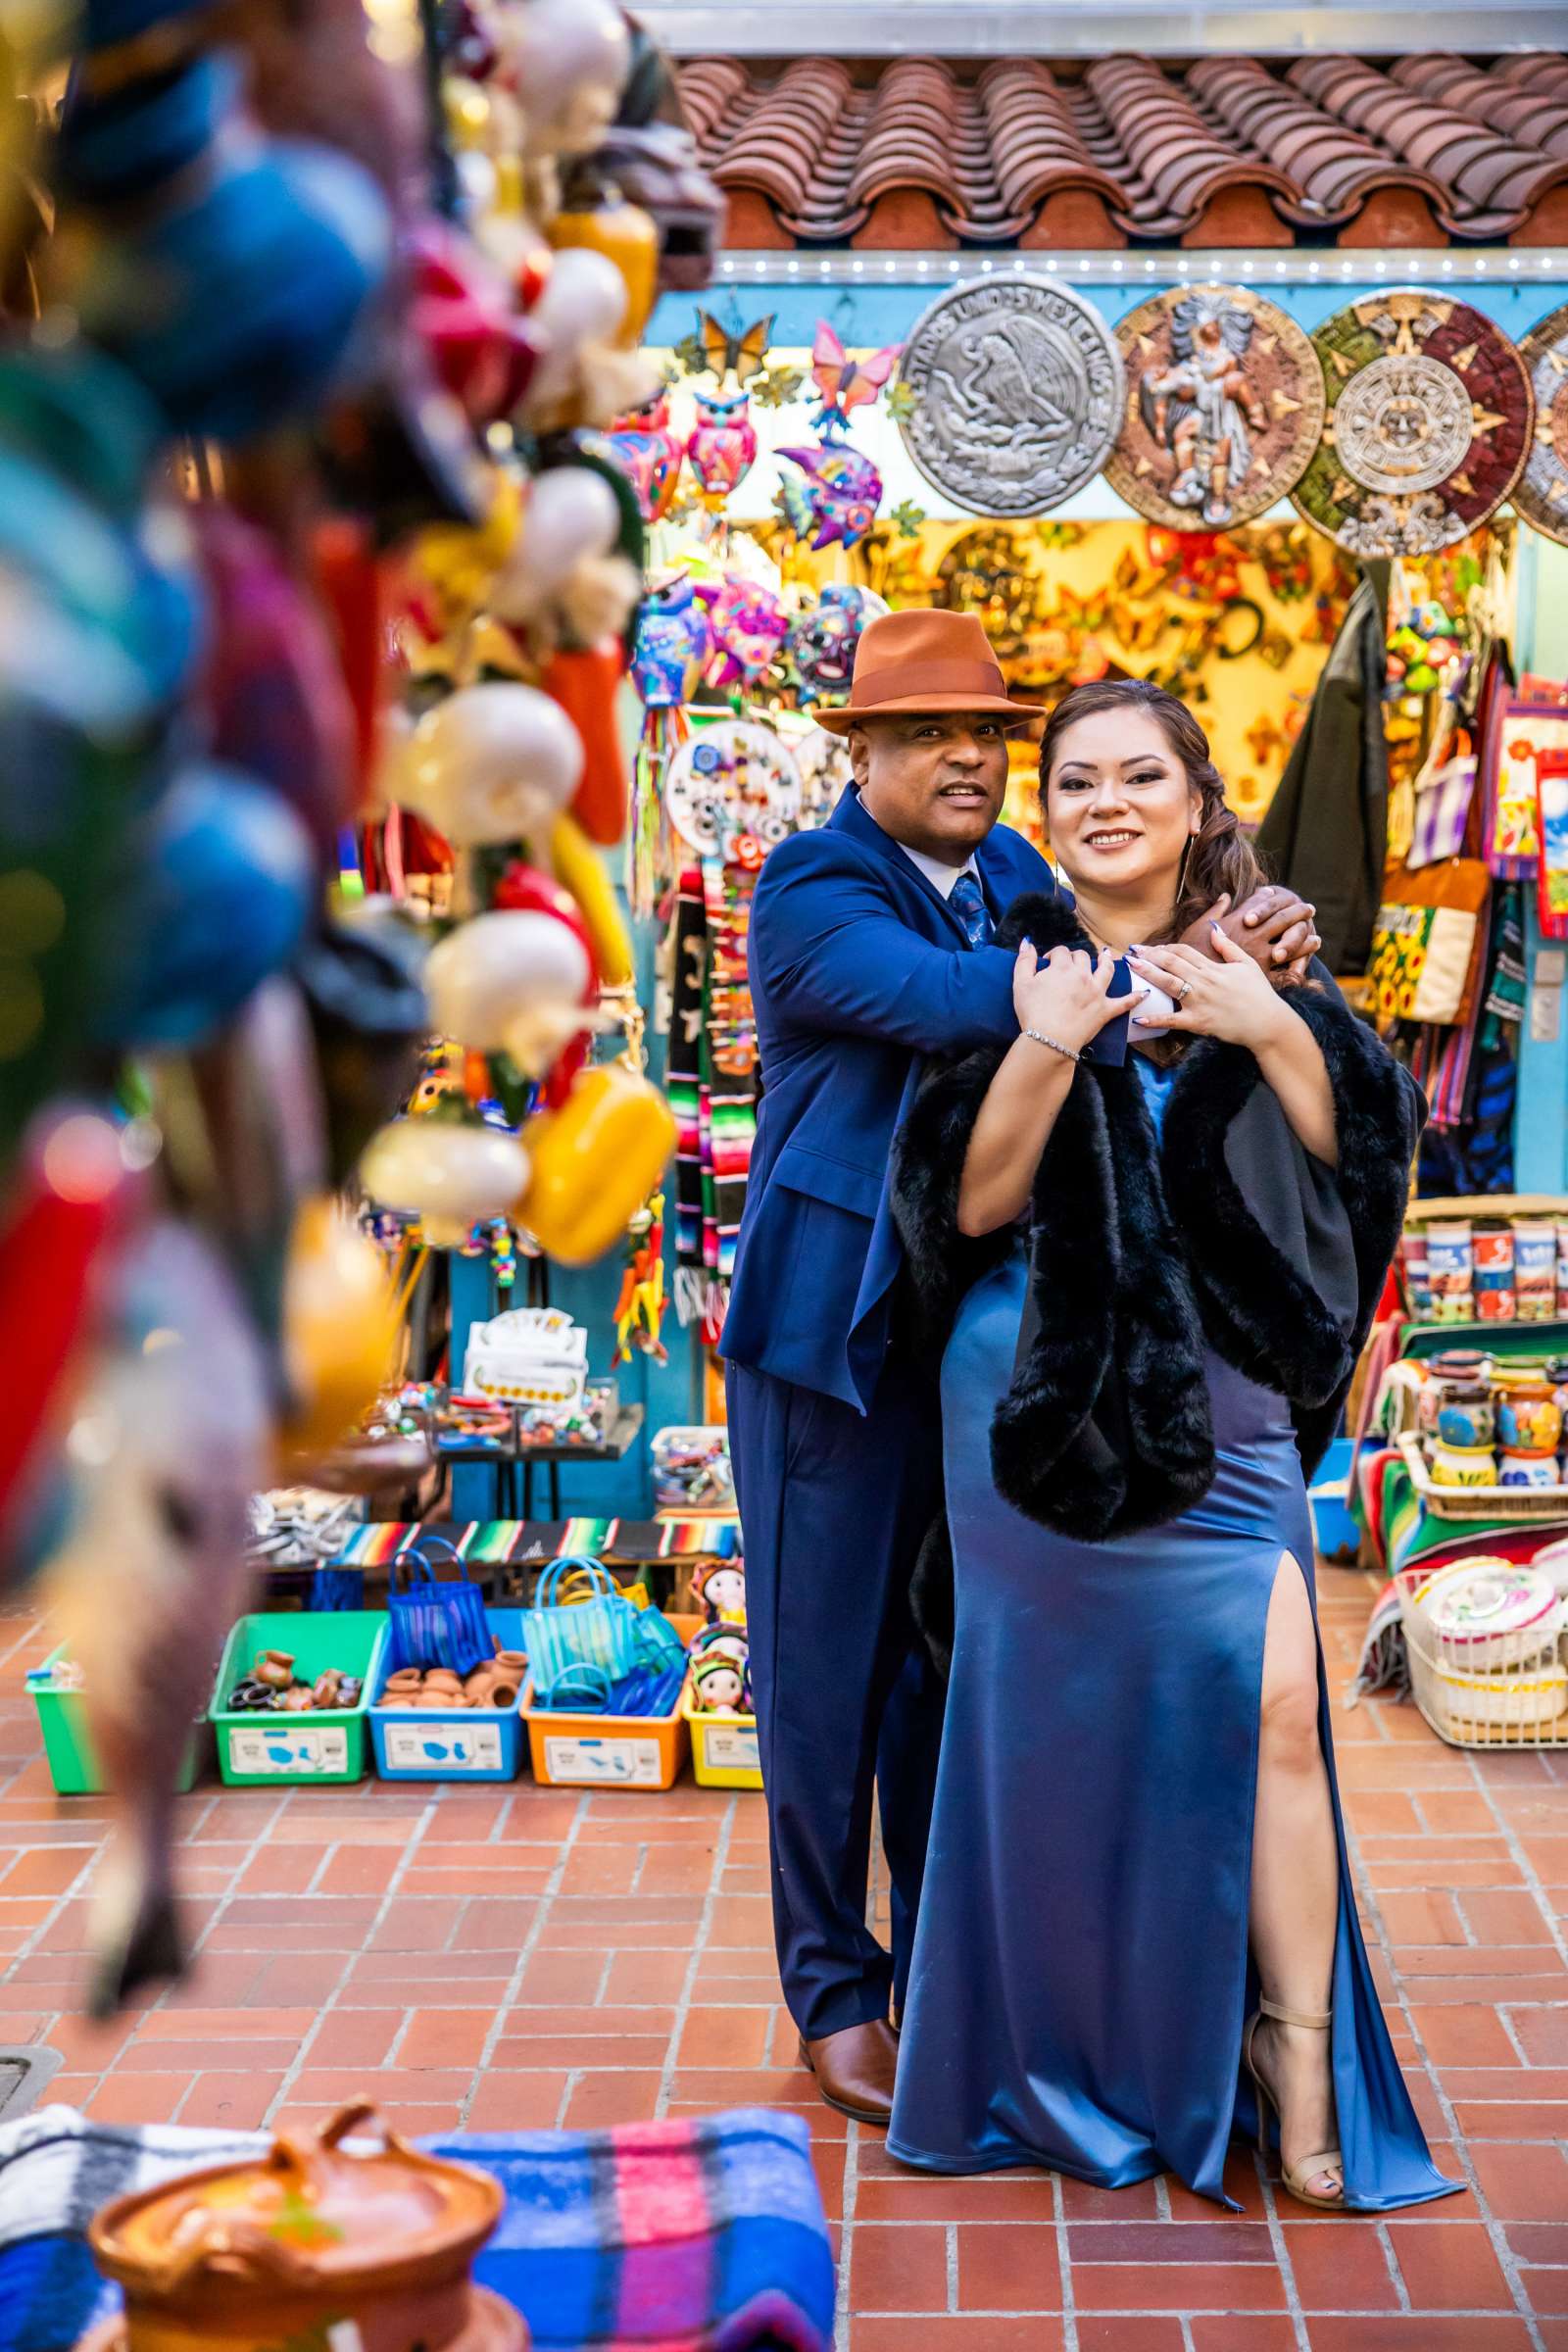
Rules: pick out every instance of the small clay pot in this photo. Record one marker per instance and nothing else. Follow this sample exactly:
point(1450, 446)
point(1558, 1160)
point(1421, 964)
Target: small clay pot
point(407, 1677)
point(296, 1699)
point(502, 1693)
point(515, 1661)
point(439, 1679)
point(274, 1667)
point(327, 1688)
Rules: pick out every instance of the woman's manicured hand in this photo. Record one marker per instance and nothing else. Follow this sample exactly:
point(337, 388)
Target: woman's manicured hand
point(1068, 997)
point(1227, 996)
point(1274, 926)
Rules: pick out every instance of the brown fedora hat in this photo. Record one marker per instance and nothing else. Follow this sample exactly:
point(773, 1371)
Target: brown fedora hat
point(925, 662)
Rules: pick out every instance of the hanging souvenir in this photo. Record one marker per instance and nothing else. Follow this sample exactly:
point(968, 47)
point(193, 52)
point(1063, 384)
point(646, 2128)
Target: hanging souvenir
point(674, 643)
point(1552, 785)
point(748, 621)
point(1540, 493)
point(1224, 407)
point(838, 499)
point(726, 353)
point(722, 445)
point(823, 764)
point(819, 650)
point(1428, 427)
point(650, 451)
point(845, 384)
point(732, 778)
point(1016, 394)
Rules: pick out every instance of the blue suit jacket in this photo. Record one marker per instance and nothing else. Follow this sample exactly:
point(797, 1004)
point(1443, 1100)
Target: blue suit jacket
point(859, 968)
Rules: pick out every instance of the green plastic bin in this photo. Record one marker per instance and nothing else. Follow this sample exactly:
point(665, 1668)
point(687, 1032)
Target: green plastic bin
point(74, 1767)
point(255, 1751)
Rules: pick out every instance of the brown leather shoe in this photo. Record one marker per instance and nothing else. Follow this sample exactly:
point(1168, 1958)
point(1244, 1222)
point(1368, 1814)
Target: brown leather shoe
point(855, 2070)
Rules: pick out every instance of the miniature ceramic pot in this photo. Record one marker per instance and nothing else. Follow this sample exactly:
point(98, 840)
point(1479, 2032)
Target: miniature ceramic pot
point(1463, 1466)
point(274, 1667)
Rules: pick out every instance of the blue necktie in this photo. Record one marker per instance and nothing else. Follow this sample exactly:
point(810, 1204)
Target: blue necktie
point(968, 903)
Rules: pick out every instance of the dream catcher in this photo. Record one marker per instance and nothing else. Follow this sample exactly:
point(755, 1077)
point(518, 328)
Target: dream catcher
point(732, 790)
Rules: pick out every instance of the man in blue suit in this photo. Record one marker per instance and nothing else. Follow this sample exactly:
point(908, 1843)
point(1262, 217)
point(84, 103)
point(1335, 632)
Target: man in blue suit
point(869, 949)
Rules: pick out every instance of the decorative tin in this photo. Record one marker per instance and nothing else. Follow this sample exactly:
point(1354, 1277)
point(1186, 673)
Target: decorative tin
point(1224, 407)
point(1540, 493)
point(1428, 427)
point(1017, 392)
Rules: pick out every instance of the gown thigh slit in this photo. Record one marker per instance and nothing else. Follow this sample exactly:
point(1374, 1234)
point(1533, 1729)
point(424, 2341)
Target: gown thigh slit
point(1081, 1970)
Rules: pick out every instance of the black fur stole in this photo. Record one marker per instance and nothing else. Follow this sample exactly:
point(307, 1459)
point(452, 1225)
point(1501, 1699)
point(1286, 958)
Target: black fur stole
point(1142, 1252)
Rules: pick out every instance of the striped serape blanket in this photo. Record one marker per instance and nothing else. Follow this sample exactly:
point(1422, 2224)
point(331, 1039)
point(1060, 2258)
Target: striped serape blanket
point(688, 2236)
point(526, 1542)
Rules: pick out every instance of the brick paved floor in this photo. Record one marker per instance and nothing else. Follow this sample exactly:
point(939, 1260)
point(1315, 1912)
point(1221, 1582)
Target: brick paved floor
point(529, 1958)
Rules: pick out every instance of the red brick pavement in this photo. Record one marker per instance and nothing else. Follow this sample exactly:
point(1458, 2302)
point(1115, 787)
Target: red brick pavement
point(527, 1957)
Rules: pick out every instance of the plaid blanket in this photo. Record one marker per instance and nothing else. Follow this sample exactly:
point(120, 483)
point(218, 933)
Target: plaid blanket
point(676, 2236)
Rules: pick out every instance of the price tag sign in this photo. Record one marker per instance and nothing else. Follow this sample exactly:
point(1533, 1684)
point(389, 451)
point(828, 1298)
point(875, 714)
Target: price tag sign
point(628, 1763)
point(453, 1747)
point(732, 1750)
point(303, 1751)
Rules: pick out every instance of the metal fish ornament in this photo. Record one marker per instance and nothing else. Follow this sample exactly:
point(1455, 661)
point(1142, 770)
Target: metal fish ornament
point(839, 497)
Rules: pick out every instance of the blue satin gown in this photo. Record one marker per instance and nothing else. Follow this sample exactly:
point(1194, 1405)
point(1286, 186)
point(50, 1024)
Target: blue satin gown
point(1081, 1974)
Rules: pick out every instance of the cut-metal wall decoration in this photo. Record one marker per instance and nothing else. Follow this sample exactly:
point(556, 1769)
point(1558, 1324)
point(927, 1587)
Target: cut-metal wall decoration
point(1016, 395)
point(1429, 422)
point(1540, 493)
point(1224, 407)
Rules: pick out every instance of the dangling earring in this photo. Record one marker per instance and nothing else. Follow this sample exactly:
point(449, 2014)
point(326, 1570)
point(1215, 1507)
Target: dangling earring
point(1181, 871)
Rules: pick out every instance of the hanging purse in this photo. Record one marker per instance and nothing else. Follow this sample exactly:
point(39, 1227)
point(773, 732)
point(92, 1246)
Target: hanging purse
point(1426, 942)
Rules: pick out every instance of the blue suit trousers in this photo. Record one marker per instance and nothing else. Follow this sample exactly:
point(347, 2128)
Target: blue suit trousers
point(834, 1505)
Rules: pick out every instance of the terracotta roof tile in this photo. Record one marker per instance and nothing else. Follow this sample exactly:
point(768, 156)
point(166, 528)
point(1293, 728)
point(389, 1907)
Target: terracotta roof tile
point(1144, 151)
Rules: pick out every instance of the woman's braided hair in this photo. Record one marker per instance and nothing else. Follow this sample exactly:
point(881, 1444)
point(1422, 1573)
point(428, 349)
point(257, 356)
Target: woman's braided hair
point(1219, 857)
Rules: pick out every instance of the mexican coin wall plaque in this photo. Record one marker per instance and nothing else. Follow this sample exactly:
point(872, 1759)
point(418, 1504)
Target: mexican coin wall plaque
point(1428, 427)
point(1540, 493)
point(1224, 407)
point(1017, 392)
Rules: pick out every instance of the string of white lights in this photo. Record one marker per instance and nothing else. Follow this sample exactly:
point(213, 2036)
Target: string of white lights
point(1481, 265)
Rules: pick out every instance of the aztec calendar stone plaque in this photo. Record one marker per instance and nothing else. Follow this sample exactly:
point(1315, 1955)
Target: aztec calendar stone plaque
point(1017, 395)
point(1224, 407)
point(1540, 493)
point(1428, 427)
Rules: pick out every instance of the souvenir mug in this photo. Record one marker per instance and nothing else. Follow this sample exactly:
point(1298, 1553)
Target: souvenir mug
point(1529, 1417)
point(1464, 1413)
point(1462, 1465)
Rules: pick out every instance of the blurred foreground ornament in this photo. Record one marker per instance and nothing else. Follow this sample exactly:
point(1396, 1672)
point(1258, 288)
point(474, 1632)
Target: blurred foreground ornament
point(510, 981)
point(166, 1444)
point(494, 762)
point(448, 1168)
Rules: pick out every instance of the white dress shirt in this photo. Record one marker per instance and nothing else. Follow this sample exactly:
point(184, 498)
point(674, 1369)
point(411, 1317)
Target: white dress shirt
point(941, 877)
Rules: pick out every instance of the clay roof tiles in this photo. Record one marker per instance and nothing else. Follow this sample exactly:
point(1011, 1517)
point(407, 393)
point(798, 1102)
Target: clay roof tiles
point(819, 151)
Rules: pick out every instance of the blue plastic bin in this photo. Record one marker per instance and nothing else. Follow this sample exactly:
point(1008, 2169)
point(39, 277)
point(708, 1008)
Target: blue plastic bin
point(1334, 1528)
point(466, 1743)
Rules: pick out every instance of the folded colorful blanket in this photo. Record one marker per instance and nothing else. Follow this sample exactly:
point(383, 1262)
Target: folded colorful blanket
point(703, 2236)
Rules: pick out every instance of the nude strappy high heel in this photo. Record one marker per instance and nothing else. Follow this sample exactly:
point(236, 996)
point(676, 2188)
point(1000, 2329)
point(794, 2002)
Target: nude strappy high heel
point(1329, 2160)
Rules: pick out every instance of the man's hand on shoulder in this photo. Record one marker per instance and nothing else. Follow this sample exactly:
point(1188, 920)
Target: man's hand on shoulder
point(1273, 926)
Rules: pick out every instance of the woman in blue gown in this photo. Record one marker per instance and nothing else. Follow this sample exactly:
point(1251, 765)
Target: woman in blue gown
point(1138, 1931)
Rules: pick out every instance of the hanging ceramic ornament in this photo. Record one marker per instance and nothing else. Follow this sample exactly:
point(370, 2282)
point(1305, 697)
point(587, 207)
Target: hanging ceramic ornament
point(836, 504)
point(1540, 493)
point(649, 453)
point(731, 778)
point(449, 1168)
point(570, 516)
point(844, 385)
point(462, 309)
point(494, 762)
point(514, 982)
point(1428, 427)
point(1224, 407)
point(565, 61)
point(674, 644)
point(748, 621)
point(819, 650)
point(722, 445)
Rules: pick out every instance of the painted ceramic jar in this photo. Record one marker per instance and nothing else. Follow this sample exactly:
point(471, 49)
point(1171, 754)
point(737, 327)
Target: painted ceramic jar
point(1529, 1416)
point(1522, 1469)
point(1463, 1465)
point(1466, 1416)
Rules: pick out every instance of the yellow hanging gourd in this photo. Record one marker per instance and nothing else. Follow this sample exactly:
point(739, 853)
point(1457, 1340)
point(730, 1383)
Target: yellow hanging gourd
point(594, 1162)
